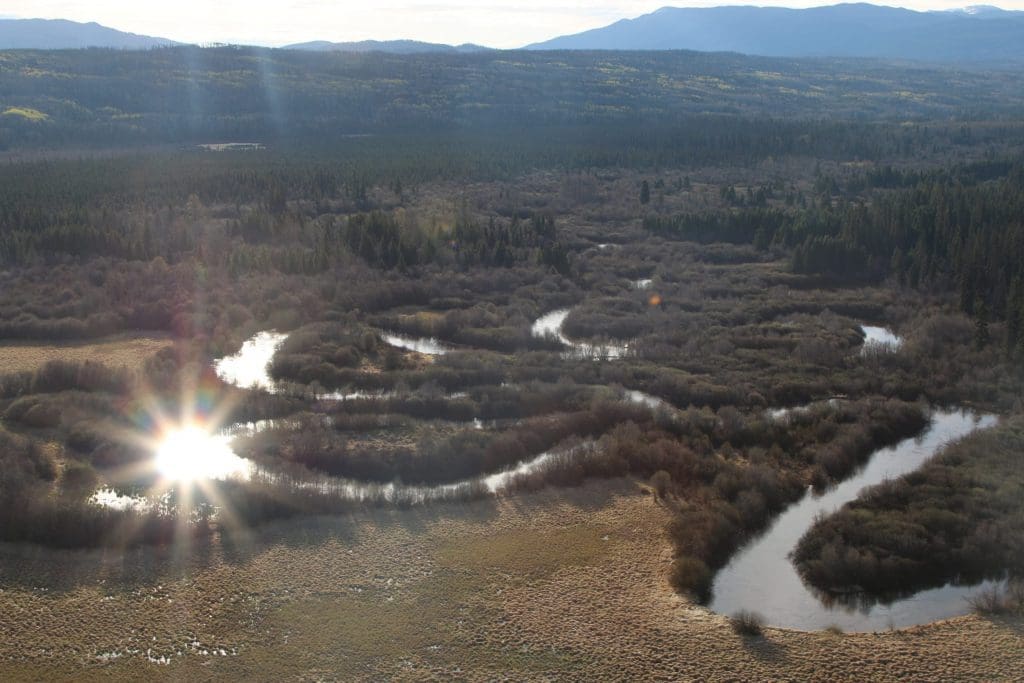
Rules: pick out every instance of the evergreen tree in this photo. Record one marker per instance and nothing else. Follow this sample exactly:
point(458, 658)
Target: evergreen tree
point(981, 333)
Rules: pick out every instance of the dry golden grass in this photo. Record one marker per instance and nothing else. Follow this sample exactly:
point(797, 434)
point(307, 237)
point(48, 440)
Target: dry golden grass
point(565, 585)
point(127, 352)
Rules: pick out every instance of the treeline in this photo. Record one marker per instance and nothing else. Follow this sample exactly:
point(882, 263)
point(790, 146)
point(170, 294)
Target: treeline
point(752, 226)
point(295, 221)
point(382, 241)
point(959, 230)
point(958, 518)
point(943, 233)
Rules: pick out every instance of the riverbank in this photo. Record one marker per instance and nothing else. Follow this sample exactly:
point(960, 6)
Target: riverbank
point(791, 603)
point(959, 516)
point(557, 584)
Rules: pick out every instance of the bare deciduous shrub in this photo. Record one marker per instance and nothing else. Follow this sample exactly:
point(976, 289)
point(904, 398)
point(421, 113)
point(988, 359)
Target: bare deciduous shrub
point(660, 482)
point(690, 575)
point(994, 600)
point(747, 623)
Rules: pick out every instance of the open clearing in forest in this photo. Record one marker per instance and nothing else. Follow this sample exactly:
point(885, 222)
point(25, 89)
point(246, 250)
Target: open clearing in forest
point(130, 352)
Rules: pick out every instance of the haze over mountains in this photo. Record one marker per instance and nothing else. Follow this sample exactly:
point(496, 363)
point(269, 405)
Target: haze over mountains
point(977, 34)
point(58, 34)
point(393, 46)
point(848, 30)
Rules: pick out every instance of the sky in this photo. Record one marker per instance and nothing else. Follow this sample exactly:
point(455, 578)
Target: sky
point(494, 23)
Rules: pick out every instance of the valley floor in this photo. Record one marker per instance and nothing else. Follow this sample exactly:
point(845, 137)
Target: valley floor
point(562, 584)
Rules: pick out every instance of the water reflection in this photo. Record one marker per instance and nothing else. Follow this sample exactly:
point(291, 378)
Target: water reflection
point(252, 428)
point(249, 368)
point(188, 454)
point(358, 395)
point(337, 487)
point(404, 494)
point(431, 347)
point(787, 414)
point(550, 326)
point(879, 339)
point(761, 576)
point(644, 399)
point(944, 601)
point(109, 498)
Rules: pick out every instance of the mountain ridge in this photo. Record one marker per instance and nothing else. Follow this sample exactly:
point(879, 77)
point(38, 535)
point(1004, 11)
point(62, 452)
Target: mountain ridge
point(62, 34)
point(391, 46)
point(977, 34)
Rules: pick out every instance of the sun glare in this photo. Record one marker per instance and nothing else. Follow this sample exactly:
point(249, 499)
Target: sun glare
point(190, 453)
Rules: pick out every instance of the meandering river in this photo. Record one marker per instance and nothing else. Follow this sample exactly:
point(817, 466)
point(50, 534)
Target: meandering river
point(550, 325)
point(761, 577)
point(249, 368)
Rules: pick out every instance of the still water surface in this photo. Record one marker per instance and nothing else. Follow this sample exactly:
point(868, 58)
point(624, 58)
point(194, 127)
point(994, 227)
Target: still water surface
point(879, 338)
point(761, 577)
point(550, 325)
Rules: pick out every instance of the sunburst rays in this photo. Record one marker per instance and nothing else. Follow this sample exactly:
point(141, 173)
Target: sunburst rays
point(183, 458)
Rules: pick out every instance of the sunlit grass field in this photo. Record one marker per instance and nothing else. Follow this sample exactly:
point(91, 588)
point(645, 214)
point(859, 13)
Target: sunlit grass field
point(129, 352)
point(566, 585)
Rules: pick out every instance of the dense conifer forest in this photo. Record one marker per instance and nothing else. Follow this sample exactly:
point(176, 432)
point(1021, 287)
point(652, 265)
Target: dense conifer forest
point(173, 95)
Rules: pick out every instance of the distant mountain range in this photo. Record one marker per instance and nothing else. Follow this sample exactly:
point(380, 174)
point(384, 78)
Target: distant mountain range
point(979, 34)
point(57, 34)
point(60, 34)
point(407, 47)
point(975, 34)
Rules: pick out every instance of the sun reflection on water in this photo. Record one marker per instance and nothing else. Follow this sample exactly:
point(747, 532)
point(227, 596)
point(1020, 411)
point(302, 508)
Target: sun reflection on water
point(189, 453)
point(180, 458)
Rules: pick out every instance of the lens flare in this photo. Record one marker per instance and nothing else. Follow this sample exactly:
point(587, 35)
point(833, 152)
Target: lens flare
point(190, 453)
point(182, 464)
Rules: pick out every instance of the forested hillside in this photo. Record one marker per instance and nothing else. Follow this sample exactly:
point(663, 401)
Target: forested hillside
point(960, 230)
point(186, 94)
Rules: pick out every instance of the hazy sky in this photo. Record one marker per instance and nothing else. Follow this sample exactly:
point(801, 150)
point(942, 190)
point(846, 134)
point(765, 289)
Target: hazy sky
point(495, 23)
